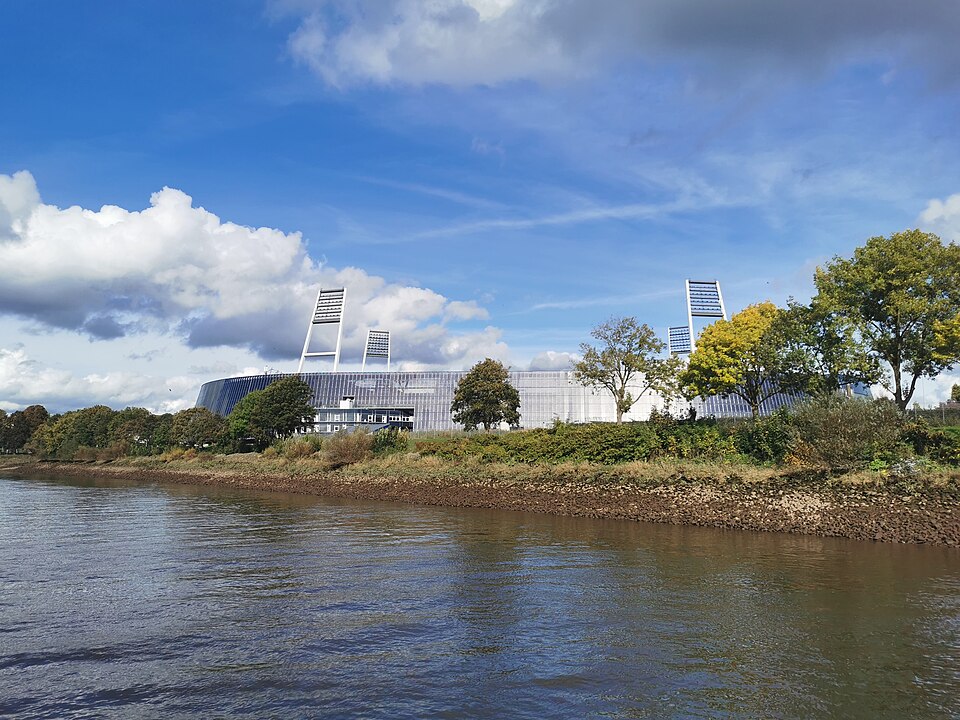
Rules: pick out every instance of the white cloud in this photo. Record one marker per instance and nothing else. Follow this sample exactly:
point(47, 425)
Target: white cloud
point(489, 42)
point(943, 217)
point(177, 271)
point(553, 360)
point(25, 381)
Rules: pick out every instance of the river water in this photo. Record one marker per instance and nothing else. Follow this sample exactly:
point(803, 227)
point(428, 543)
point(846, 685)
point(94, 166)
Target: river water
point(150, 601)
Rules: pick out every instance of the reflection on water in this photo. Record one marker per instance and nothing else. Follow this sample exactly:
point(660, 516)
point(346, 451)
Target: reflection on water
point(149, 601)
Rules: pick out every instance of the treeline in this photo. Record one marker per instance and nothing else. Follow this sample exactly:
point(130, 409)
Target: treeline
point(101, 433)
point(16, 428)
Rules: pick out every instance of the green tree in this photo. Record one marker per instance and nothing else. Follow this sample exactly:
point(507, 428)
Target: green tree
point(285, 406)
point(277, 411)
point(91, 426)
point(625, 357)
point(955, 393)
point(57, 437)
point(133, 427)
point(196, 428)
point(160, 432)
point(817, 351)
point(243, 422)
point(484, 396)
point(902, 294)
point(738, 357)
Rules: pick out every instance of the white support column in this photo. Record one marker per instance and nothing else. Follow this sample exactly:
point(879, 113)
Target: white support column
point(327, 310)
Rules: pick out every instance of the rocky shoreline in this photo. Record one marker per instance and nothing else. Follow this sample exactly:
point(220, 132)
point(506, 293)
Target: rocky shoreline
point(862, 512)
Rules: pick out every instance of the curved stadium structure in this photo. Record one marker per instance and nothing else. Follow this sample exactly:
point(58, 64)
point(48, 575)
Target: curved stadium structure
point(421, 400)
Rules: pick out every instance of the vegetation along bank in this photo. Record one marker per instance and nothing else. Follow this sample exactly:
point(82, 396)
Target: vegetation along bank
point(834, 467)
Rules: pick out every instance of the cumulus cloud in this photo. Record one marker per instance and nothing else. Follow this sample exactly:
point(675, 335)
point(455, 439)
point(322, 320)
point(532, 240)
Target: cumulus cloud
point(24, 381)
point(553, 360)
point(466, 42)
point(174, 268)
point(943, 217)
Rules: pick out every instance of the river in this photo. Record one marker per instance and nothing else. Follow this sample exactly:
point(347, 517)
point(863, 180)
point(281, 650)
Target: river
point(150, 601)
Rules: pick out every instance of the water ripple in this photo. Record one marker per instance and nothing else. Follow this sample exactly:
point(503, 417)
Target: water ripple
point(122, 600)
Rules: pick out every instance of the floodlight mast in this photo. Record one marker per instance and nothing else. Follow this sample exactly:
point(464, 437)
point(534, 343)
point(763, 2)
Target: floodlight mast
point(328, 310)
point(377, 345)
point(704, 299)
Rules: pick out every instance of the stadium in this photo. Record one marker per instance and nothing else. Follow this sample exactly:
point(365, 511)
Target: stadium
point(421, 400)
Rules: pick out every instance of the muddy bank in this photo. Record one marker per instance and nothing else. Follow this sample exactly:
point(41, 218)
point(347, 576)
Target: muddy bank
point(887, 514)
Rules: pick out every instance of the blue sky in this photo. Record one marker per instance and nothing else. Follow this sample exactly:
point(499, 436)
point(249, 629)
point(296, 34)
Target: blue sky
point(487, 178)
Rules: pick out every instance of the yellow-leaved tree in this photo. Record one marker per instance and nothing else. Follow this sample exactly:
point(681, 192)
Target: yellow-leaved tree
point(737, 357)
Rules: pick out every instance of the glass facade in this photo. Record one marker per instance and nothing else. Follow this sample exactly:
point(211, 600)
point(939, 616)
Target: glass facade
point(426, 396)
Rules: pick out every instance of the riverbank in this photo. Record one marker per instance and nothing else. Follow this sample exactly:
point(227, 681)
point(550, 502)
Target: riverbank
point(861, 507)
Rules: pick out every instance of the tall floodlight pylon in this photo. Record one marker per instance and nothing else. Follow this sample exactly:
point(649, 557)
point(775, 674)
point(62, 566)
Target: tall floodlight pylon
point(327, 311)
point(378, 345)
point(704, 300)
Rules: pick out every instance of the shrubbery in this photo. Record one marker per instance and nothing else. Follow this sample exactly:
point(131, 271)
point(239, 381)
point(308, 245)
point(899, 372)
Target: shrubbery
point(832, 432)
point(389, 441)
point(604, 443)
point(766, 439)
point(846, 433)
point(347, 448)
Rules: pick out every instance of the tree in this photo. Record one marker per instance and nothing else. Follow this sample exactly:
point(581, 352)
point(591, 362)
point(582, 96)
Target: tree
point(626, 356)
point(902, 294)
point(196, 428)
point(817, 352)
point(738, 357)
point(955, 393)
point(17, 427)
point(242, 422)
point(277, 411)
point(484, 396)
point(133, 427)
point(285, 406)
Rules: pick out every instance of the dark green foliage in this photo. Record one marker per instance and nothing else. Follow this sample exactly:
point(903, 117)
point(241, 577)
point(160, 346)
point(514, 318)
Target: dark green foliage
point(847, 433)
point(196, 428)
point(940, 444)
point(285, 407)
point(389, 441)
point(135, 429)
point(484, 396)
point(902, 294)
point(17, 427)
point(277, 411)
point(605, 443)
point(767, 439)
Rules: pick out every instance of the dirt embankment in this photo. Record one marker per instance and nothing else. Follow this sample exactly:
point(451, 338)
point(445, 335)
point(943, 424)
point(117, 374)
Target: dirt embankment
point(863, 512)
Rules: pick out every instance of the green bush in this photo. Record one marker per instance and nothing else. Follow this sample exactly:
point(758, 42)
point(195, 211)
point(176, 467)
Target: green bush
point(602, 443)
point(389, 441)
point(766, 439)
point(299, 446)
point(845, 433)
point(347, 448)
point(940, 444)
